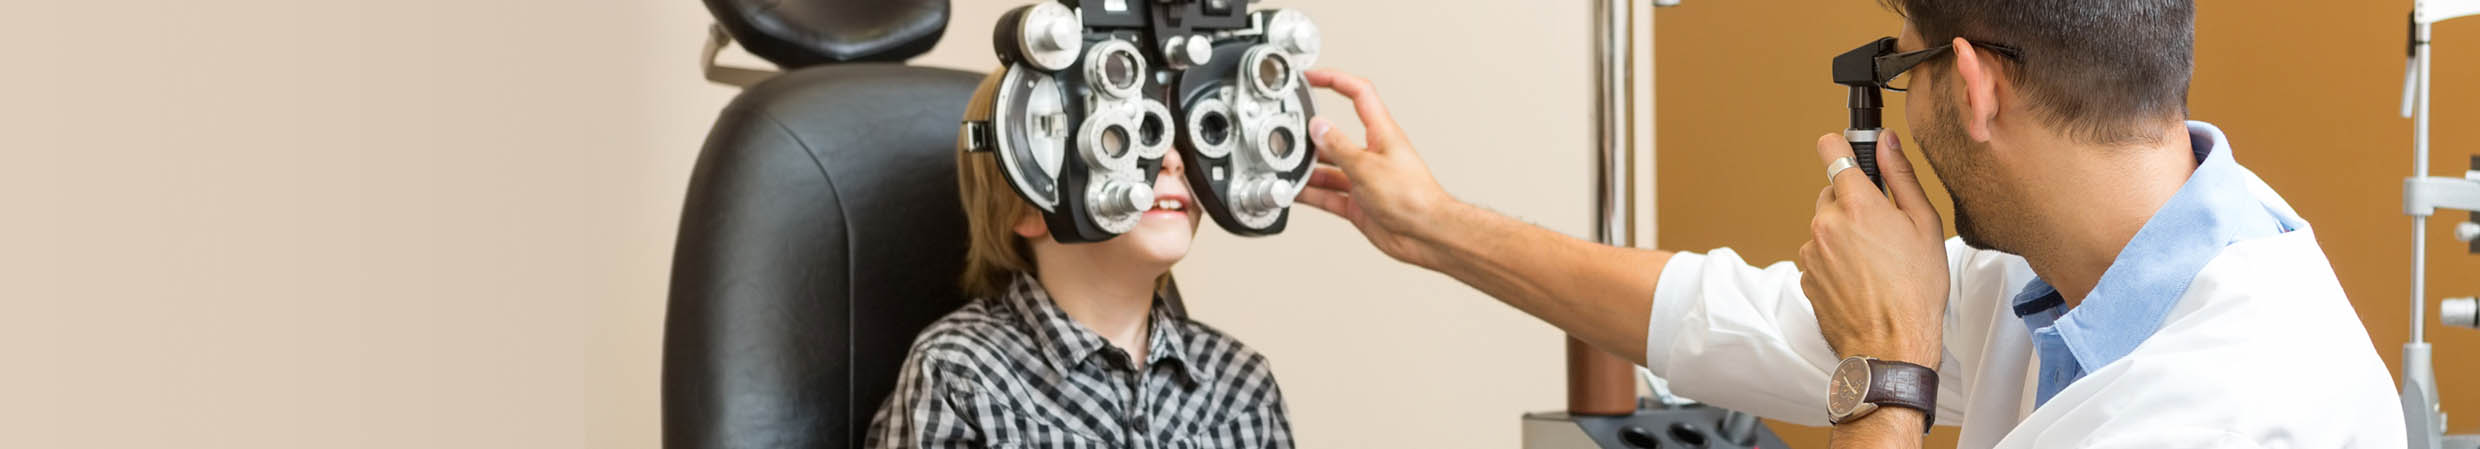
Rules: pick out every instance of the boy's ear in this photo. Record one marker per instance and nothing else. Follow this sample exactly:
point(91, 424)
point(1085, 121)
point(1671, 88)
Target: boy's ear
point(1030, 226)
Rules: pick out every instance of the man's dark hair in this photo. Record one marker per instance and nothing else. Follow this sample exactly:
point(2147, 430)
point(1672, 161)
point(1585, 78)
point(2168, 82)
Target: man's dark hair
point(2103, 71)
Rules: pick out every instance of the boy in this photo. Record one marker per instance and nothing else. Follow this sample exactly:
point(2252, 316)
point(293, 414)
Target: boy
point(1067, 345)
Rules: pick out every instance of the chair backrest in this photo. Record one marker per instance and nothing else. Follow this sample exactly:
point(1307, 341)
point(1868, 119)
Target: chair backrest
point(821, 229)
point(800, 33)
point(821, 232)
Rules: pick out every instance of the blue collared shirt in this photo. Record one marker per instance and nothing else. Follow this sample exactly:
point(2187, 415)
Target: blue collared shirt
point(2213, 210)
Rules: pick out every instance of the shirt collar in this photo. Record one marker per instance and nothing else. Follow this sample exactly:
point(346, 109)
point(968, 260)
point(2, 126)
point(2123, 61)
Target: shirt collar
point(1169, 341)
point(2216, 207)
point(1068, 343)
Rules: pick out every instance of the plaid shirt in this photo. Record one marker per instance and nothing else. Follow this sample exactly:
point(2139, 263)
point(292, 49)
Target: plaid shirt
point(1016, 372)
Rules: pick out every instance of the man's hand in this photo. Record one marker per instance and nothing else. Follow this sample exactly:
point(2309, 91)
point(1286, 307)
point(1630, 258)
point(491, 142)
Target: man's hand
point(1380, 185)
point(1876, 269)
point(1597, 293)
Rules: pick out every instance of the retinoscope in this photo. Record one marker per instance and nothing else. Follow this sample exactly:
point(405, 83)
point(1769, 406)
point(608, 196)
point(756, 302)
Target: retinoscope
point(1094, 93)
point(1858, 69)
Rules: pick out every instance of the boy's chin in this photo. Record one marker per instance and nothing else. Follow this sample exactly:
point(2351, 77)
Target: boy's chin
point(1163, 245)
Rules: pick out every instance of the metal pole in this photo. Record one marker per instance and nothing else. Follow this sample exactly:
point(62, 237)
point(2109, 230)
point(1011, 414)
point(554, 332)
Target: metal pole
point(1598, 383)
point(2419, 222)
point(2419, 383)
point(1612, 112)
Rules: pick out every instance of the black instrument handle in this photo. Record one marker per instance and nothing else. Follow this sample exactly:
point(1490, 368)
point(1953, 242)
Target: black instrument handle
point(1865, 154)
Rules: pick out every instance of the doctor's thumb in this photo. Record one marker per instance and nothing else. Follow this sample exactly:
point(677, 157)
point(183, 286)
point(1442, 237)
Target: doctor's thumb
point(1335, 147)
point(1894, 164)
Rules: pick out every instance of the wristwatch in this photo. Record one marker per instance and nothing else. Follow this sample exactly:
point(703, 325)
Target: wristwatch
point(1861, 384)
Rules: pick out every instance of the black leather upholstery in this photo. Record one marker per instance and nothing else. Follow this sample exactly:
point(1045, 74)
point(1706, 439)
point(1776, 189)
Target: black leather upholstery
point(802, 33)
point(821, 232)
point(821, 229)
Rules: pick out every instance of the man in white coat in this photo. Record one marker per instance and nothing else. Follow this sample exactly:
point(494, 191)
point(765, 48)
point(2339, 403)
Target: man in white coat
point(2119, 279)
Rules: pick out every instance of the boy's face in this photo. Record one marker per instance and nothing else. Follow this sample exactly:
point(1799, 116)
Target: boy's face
point(1162, 235)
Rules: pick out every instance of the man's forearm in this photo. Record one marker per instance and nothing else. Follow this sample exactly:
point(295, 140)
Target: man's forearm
point(1597, 293)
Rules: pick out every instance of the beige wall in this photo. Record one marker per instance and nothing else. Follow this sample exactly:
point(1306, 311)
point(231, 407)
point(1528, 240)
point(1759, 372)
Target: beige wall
point(448, 223)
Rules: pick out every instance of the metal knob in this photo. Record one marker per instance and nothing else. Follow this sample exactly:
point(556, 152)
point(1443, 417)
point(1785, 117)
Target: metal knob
point(1292, 31)
point(1264, 195)
point(2466, 231)
point(1120, 199)
point(1055, 32)
point(1302, 38)
point(1189, 51)
point(2459, 312)
point(1050, 35)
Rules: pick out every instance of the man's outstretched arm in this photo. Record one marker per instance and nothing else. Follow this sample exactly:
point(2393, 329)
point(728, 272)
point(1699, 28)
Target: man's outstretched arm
point(1597, 293)
point(1876, 285)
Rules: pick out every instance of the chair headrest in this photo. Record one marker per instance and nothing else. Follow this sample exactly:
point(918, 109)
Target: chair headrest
point(801, 33)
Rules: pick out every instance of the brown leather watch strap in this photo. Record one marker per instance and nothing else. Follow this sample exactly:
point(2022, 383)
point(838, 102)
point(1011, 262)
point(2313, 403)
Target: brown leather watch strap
point(1904, 385)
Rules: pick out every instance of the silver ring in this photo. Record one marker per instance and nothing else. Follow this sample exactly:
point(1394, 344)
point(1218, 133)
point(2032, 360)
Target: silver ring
point(1092, 140)
point(1212, 105)
point(1261, 57)
point(1837, 167)
point(1155, 111)
point(1097, 68)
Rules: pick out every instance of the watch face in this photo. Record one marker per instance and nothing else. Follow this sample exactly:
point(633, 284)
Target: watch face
point(1849, 386)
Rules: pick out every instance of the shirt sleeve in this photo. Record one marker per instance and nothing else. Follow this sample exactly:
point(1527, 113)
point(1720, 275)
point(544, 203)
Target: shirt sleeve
point(1745, 338)
point(1276, 423)
point(932, 407)
point(1266, 424)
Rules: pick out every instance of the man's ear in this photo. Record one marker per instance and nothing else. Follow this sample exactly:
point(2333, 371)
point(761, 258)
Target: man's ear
point(1030, 226)
point(1980, 90)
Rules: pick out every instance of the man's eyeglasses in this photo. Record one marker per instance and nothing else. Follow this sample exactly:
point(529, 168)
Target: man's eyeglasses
point(1894, 70)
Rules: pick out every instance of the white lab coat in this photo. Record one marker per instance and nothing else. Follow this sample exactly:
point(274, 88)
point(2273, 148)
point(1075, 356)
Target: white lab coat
point(2263, 350)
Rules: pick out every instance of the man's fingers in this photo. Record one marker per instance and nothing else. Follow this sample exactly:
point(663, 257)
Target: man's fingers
point(1825, 197)
point(1331, 178)
point(1373, 113)
point(1831, 147)
point(1335, 147)
point(1904, 183)
point(1852, 184)
point(1332, 201)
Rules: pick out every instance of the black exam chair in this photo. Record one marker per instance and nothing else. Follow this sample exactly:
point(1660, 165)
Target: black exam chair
point(821, 229)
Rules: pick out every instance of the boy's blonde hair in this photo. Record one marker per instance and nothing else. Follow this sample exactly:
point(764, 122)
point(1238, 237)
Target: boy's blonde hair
point(994, 254)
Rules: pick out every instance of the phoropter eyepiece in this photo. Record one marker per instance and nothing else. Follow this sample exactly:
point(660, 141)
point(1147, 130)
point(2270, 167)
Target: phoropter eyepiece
point(1094, 94)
